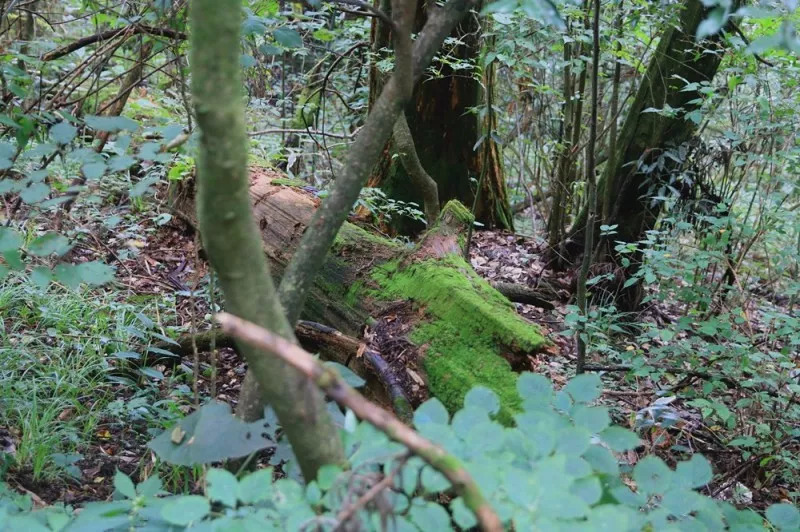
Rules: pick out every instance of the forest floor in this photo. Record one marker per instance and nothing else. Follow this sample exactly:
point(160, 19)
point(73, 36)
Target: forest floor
point(158, 275)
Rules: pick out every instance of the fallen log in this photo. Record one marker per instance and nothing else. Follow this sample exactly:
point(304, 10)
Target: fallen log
point(435, 323)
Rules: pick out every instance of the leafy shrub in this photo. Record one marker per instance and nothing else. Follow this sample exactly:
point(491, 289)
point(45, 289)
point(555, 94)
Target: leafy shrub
point(556, 469)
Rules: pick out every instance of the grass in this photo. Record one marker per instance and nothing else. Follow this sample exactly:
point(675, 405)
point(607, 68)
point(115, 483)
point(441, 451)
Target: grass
point(55, 381)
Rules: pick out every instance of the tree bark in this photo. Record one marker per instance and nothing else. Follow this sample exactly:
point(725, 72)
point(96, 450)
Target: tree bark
point(231, 239)
point(445, 129)
point(678, 62)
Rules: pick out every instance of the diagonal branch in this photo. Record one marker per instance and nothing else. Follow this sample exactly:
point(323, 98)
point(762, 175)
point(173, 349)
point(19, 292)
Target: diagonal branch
point(366, 149)
point(332, 384)
point(110, 34)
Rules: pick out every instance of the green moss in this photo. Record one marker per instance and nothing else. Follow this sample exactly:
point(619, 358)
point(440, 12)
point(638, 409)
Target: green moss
point(351, 235)
point(285, 181)
point(457, 210)
point(472, 324)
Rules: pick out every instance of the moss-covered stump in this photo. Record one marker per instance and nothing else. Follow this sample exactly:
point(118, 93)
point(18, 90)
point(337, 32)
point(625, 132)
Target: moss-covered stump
point(469, 326)
point(465, 331)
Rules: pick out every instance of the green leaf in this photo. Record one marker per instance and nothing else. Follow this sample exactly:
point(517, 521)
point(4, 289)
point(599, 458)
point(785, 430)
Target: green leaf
point(482, 398)
point(68, 275)
point(35, 193)
point(347, 374)
point(185, 510)
point(111, 123)
point(94, 171)
point(327, 475)
point(694, 473)
point(95, 273)
point(462, 515)
point(288, 38)
point(63, 132)
point(601, 460)
point(222, 486)
point(784, 516)
point(620, 439)
point(431, 411)
point(588, 489)
point(142, 186)
point(433, 481)
point(652, 475)
point(429, 516)
point(10, 240)
point(535, 389)
point(41, 276)
point(210, 434)
point(49, 243)
point(256, 487)
point(584, 388)
point(150, 487)
point(594, 418)
point(121, 162)
point(124, 485)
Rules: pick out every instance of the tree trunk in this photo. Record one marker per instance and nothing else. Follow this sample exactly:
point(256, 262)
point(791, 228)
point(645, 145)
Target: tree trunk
point(427, 310)
point(231, 239)
point(445, 129)
point(679, 68)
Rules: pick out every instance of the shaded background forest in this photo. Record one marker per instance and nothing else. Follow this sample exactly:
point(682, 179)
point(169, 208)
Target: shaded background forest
point(683, 213)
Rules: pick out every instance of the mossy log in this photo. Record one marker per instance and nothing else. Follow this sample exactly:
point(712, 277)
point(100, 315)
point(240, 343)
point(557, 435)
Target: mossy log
point(463, 332)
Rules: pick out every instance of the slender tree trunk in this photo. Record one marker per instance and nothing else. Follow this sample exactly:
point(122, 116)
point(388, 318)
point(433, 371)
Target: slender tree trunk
point(612, 128)
point(230, 235)
point(445, 130)
point(591, 191)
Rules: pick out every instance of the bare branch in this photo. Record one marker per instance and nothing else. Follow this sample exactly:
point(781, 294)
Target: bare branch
point(337, 389)
point(110, 34)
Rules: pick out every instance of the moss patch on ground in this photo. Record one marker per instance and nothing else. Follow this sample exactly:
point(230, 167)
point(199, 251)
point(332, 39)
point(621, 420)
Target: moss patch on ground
point(471, 324)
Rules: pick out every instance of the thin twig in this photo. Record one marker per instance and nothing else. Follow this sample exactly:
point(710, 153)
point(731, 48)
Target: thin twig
point(332, 384)
point(300, 132)
point(347, 513)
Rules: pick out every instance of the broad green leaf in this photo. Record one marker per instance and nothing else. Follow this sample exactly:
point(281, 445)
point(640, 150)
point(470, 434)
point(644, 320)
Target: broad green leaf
point(693, 473)
point(429, 516)
point(63, 132)
point(535, 389)
point(431, 411)
point(95, 273)
point(256, 487)
point(462, 515)
point(35, 193)
point(784, 516)
point(142, 186)
point(10, 240)
point(94, 171)
point(588, 489)
point(620, 439)
point(433, 481)
point(185, 510)
point(124, 485)
point(288, 38)
point(652, 476)
point(111, 123)
point(347, 374)
point(482, 398)
point(584, 388)
point(222, 486)
point(327, 475)
point(41, 276)
point(48, 244)
point(594, 418)
point(215, 435)
point(68, 275)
